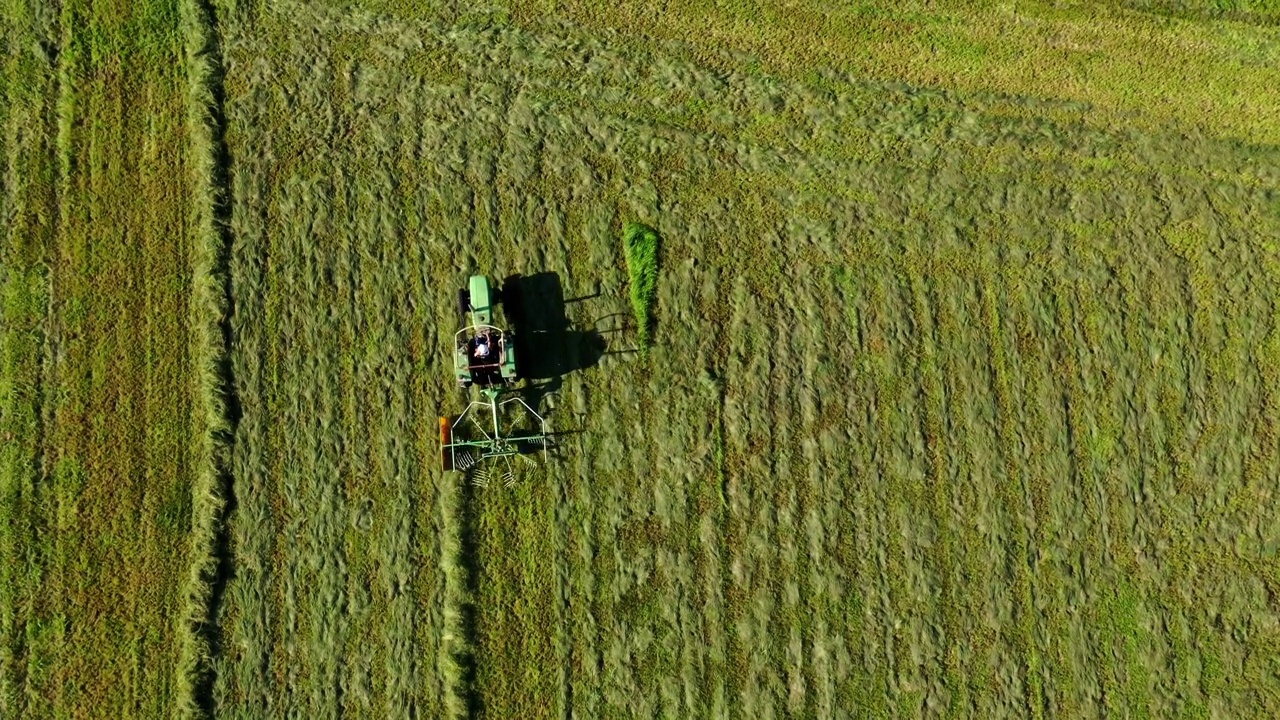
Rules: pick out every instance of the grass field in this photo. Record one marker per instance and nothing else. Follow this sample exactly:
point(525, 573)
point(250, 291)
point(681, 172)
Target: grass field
point(959, 398)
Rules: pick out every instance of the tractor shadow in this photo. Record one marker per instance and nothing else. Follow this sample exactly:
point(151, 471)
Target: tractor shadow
point(548, 347)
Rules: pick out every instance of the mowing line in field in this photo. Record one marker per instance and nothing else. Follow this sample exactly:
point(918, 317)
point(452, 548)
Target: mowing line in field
point(710, 546)
point(1093, 531)
point(27, 194)
point(739, 359)
point(1151, 521)
point(120, 510)
point(401, 468)
point(1014, 495)
point(918, 653)
point(764, 685)
point(949, 299)
point(1120, 611)
point(820, 592)
point(1045, 429)
point(653, 532)
point(880, 547)
point(855, 486)
point(788, 626)
point(294, 462)
point(926, 319)
point(323, 577)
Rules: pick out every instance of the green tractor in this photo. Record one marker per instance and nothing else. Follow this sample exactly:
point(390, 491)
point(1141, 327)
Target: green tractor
point(484, 357)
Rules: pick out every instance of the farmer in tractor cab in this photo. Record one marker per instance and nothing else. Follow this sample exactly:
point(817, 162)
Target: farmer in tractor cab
point(482, 348)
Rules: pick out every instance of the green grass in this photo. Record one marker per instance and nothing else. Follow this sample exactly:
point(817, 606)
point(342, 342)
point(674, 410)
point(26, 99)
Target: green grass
point(640, 245)
point(97, 291)
point(963, 406)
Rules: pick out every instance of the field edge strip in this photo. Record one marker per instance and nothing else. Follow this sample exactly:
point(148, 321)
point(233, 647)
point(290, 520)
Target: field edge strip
point(213, 391)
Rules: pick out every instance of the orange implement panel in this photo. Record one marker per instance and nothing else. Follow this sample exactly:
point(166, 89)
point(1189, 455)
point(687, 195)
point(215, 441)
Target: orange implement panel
point(446, 437)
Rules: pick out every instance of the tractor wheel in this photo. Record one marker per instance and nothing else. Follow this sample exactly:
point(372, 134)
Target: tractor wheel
point(464, 304)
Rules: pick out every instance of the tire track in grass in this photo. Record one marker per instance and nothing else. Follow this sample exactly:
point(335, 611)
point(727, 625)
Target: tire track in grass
point(377, 501)
point(666, 529)
point(443, 578)
point(1112, 401)
point(968, 430)
point(577, 467)
point(291, 348)
point(926, 312)
point(887, 363)
point(1014, 495)
point(1225, 453)
point(28, 188)
point(567, 480)
point(916, 660)
point(400, 466)
point(361, 315)
point(437, 631)
point(1190, 451)
point(1092, 528)
point(607, 511)
point(749, 517)
point(709, 502)
point(631, 684)
point(788, 625)
point(517, 164)
point(517, 580)
point(1044, 426)
point(641, 586)
point(853, 484)
point(819, 589)
point(359, 424)
point(763, 687)
point(454, 516)
point(1228, 578)
point(1182, 405)
point(1151, 536)
point(1249, 574)
point(322, 579)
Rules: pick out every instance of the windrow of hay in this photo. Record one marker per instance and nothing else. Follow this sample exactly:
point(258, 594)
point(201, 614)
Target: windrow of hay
point(211, 426)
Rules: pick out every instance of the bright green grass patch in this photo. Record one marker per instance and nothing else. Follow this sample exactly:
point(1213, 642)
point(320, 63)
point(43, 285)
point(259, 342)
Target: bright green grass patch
point(641, 245)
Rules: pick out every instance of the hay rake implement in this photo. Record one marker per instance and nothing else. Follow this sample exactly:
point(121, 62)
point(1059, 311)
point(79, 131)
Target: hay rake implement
point(486, 448)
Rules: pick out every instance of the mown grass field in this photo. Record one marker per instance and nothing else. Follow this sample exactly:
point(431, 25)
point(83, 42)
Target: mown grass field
point(961, 398)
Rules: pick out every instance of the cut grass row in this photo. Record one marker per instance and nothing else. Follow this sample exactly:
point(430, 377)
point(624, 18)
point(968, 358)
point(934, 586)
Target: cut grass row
point(640, 245)
point(118, 399)
point(211, 387)
point(27, 206)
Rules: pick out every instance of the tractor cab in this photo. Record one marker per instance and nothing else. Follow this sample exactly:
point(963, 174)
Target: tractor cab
point(484, 354)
